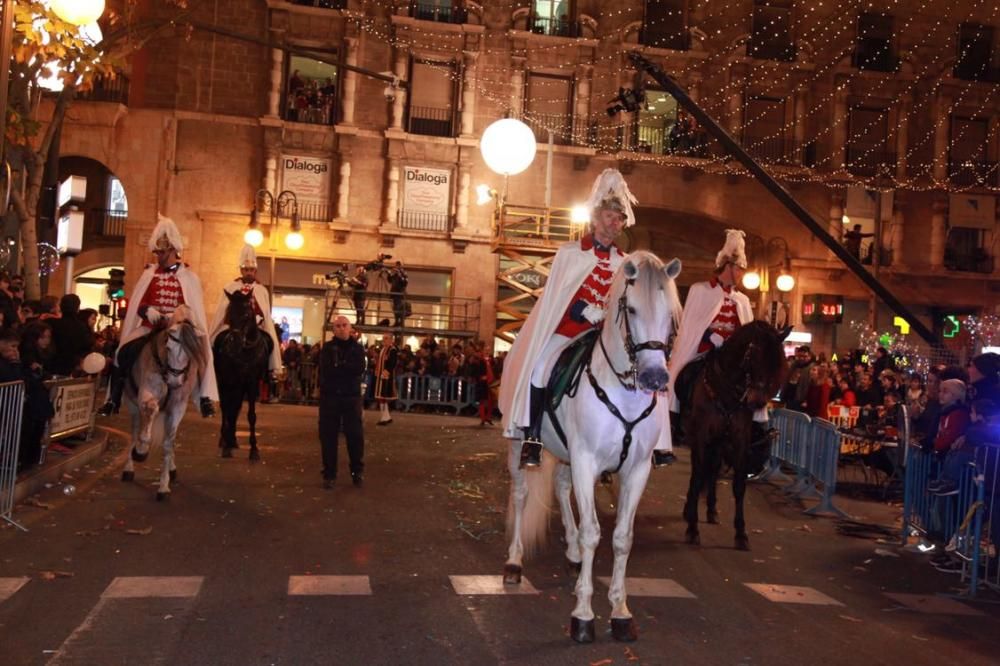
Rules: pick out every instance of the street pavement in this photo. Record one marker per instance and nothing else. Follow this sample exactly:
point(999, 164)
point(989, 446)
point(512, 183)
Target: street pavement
point(258, 564)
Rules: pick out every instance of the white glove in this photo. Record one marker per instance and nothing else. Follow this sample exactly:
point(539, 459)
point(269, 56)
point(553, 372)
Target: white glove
point(716, 340)
point(153, 316)
point(593, 314)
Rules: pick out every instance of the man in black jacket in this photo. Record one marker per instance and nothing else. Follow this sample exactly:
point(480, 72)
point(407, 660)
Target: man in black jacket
point(341, 366)
point(71, 337)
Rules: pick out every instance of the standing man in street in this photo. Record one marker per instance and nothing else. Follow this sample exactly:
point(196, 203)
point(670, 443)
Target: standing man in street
point(385, 375)
point(161, 288)
point(341, 366)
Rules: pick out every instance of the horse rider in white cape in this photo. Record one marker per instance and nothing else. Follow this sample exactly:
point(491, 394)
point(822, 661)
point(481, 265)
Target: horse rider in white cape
point(248, 284)
point(572, 303)
point(161, 288)
point(712, 313)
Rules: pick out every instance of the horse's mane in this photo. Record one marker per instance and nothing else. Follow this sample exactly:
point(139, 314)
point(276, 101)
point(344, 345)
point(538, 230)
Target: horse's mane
point(768, 339)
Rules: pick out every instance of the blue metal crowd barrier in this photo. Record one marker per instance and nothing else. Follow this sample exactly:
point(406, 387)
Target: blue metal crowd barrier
point(11, 410)
point(455, 393)
point(811, 447)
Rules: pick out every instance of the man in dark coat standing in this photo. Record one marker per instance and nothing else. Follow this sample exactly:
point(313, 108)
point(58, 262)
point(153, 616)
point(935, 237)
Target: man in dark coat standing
point(341, 367)
point(71, 337)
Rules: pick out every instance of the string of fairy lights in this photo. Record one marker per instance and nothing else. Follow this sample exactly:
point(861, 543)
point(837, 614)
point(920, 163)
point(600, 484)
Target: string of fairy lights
point(821, 82)
point(970, 334)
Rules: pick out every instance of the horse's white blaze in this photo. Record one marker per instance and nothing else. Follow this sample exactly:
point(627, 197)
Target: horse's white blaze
point(595, 436)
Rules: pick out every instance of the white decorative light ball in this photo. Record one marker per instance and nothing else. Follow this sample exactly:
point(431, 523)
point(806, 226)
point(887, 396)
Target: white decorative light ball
point(78, 12)
point(294, 240)
point(785, 282)
point(508, 146)
point(254, 237)
point(751, 280)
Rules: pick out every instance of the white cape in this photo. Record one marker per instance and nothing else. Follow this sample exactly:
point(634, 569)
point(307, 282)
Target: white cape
point(132, 328)
point(570, 268)
point(264, 303)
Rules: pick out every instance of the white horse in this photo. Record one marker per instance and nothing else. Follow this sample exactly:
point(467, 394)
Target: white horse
point(160, 383)
point(612, 423)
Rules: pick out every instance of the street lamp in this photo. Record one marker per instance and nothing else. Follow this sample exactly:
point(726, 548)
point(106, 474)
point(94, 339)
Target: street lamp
point(285, 204)
point(78, 12)
point(508, 146)
point(759, 276)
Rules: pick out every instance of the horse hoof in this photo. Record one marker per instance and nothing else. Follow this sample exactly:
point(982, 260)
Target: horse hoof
point(227, 452)
point(742, 542)
point(581, 631)
point(623, 629)
point(139, 457)
point(173, 476)
point(162, 496)
point(574, 567)
point(254, 455)
point(128, 476)
point(511, 574)
point(692, 538)
point(712, 518)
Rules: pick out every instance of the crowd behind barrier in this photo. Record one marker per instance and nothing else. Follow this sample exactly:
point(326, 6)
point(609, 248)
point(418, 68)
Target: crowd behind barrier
point(453, 393)
point(11, 408)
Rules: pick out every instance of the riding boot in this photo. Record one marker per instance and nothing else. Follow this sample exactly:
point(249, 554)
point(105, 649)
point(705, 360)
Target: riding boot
point(663, 458)
point(115, 399)
point(531, 446)
point(760, 433)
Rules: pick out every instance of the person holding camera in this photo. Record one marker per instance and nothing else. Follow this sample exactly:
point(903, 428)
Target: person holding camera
point(359, 283)
point(398, 281)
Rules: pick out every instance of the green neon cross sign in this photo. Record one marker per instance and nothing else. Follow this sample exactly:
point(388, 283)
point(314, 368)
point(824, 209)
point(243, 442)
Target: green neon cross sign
point(951, 326)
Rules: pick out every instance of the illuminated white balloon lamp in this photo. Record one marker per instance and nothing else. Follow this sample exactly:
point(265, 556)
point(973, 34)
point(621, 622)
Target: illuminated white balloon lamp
point(78, 12)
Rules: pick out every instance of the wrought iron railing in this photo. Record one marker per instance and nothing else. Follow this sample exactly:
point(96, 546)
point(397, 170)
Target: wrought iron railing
point(420, 221)
point(429, 10)
point(109, 223)
point(869, 161)
point(430, 121)
point(975, 261)
point(317, 211)
point(107, 90)
point(774, 149)
point(561, 125)
point(554, 26)
point(322, 4)
point(972, 173)
point(663, 37)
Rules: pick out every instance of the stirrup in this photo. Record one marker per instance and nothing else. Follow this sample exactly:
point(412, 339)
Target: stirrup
point(663, 458)
point(531, 452)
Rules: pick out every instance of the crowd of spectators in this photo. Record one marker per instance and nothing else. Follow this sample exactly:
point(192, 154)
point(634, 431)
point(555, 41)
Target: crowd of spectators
point(311, 100)
point(42, 340)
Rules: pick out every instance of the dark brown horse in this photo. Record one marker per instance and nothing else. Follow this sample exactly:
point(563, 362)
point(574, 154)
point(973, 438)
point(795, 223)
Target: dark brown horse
point(730, 384)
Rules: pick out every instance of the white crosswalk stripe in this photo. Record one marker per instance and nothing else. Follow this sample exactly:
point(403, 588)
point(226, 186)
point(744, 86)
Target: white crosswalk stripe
point(10, 586)
point(473, 585)
point(651, 587)
point(792, 594)
point(329, 586)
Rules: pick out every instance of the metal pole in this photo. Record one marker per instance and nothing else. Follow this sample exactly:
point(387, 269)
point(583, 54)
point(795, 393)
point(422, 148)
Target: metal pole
point(548, 175)
point(6, 40)
point(781, 194)
point(68, 276)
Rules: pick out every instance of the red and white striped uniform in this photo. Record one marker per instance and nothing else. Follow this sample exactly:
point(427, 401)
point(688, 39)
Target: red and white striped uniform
point(593, 291)
point(164, 293)
point(726, 321)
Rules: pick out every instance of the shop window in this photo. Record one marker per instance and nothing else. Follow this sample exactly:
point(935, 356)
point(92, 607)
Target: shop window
point(968, 165)
point(874, 49)
point(431, 107)
point(974, 60)
point(548, 105)
point(771, 31)
point(665, 25)
point(311, 91)
point(553, 17)
point(868, 151)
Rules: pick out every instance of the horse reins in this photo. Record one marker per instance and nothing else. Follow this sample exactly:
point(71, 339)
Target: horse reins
point(629, 378)
point(167, 370)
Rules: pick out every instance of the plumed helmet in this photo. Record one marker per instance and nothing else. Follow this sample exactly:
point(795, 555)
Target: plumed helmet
point(611, 191)
point(248, 258)
point(165, 235)
point(734, 250)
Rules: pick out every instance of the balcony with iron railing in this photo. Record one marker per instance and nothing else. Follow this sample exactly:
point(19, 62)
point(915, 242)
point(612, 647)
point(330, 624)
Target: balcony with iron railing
point(972, 173)
point(560, 124)
point(430, 121)
point(664, 37)
point(105, 224)
point(775, 150)
point(321, 4)
point(315, 211)
point(106, 90)
point(429, 10)
point(869, 160)
point(554, 26)
point(976, 260)
point(421, 221)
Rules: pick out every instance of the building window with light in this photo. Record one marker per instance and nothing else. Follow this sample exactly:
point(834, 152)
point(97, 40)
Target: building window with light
point(968, 153)
point(553, 17)
point(771, 31)
point(548, 105)
point(655, 128)
point(975, 59)
point(874, 50)
point(868, 146)
point(664, 25)
point(311, 91)
point(431, 107)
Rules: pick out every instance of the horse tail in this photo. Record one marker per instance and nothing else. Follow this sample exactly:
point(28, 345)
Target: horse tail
point(538, 507)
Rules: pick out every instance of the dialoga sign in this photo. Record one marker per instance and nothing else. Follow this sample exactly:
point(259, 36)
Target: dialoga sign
point(434, 178)
point(313, 166)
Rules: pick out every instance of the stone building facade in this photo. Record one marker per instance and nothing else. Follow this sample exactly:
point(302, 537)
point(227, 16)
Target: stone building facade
point(826, 97)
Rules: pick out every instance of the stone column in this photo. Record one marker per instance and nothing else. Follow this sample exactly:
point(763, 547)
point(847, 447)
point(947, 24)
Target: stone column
point(469, 93)
point(344, 186)
point(942, 108)
point(392, 193)
point(462, 196)
point(896, 230)
point(902, 135)
point(939, 231)
point(270, 169)
point(581, 107)
point(274, 96)
point(517, 86)
point(840, 120)
point(348, 99)
point(399, 105)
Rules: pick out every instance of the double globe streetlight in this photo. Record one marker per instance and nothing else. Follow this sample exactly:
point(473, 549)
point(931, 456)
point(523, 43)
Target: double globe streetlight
point(276, 206)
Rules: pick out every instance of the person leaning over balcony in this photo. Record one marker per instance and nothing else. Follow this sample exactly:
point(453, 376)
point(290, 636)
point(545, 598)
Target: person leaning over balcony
point(572, 303)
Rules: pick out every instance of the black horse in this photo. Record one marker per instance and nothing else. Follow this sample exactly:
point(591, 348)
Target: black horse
point(729, 385)
point(241, 353)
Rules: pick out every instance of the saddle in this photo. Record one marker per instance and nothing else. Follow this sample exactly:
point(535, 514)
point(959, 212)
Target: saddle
point(566, 373)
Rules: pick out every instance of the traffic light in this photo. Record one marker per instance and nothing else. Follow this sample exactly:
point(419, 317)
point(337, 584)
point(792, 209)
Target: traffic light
point(116, 283)
point(121, 305)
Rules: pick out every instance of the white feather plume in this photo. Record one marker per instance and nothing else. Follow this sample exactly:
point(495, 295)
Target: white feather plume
point(248, 257)
point(734, 250)
point(166, 227)
point(611, 184)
